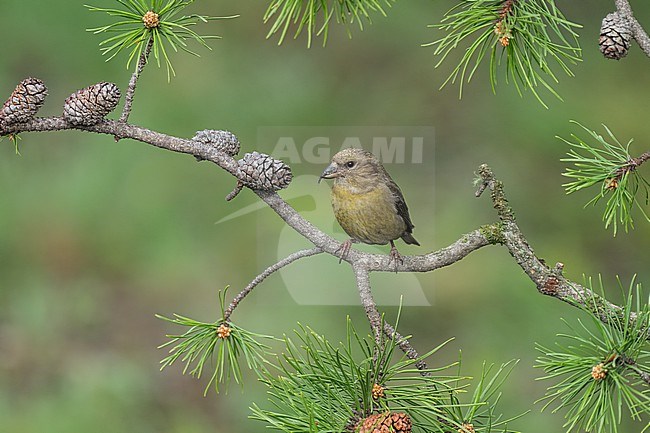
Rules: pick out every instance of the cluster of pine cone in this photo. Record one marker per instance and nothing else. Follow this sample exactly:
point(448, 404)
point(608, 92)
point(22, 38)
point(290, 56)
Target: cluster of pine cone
point(83, 108)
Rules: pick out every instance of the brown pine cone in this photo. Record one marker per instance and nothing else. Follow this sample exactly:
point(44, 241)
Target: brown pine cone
point(89, 106)
point(24, 102)
point(260, 171)
point(397, 422)
point(225, 141)
point(615, 36)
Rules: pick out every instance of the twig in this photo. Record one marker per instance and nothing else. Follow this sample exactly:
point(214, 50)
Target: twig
point(549, 281)
point(638, 32)
point(268, 271)
point(631, 363)
point(236, 190)
point(637, 162)
point(406, 347)
point(128, 100)
point(631, 165)
point(644, 376)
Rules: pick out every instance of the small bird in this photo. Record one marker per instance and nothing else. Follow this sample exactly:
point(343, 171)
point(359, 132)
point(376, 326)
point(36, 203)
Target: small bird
point(367, 202)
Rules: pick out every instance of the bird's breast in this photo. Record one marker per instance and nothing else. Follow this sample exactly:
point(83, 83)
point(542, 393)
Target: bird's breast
point(368, 216)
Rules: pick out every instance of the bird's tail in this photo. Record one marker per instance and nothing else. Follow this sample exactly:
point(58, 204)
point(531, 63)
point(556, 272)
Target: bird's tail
point(409, 239)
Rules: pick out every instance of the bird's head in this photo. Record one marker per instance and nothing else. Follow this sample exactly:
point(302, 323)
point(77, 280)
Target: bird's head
point(353, 165)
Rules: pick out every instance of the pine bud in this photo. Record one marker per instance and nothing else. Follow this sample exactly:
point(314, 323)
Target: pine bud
point(615, 36)
point(466, 428)
point(24, 102)
point(151, 19)
point(224, 141)
point(599, 372)
point(90, 105)
point(378, 391)
point(223, 331)
point(397, 422)
point(611, 183)
point(261, 171)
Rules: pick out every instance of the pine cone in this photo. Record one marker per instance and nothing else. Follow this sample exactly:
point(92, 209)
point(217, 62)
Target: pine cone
point(224, 141)
point(24, 102)
point(260, 171)
point(90, 105)
point(615, 36)
point(387, 422)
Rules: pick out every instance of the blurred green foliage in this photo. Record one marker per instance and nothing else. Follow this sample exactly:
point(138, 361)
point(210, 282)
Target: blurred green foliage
point(96, 236)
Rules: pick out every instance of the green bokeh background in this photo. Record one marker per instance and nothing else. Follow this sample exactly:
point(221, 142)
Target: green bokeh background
point(96, 236)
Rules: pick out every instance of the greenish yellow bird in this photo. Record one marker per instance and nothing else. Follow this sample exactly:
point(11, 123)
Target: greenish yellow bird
point(367, 202)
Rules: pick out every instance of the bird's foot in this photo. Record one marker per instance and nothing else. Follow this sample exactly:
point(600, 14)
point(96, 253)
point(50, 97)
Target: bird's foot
point(394, 255)
point(344, 249)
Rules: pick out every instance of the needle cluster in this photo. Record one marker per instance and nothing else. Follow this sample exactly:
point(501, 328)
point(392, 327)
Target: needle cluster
point(608, 165)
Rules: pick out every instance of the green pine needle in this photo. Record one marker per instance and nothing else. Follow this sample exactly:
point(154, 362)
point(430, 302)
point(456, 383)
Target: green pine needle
point(609, 165)
point(315, 16)
point(173, 31)
point(528, 36)
point(14, 139)
point(320, 386)
point(600, 369)
point(201, 347)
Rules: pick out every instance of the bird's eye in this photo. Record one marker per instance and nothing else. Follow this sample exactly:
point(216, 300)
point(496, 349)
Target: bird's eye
point(350, 164)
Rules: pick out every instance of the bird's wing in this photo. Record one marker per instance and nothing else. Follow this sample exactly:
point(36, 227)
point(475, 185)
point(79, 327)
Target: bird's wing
point(400, 204)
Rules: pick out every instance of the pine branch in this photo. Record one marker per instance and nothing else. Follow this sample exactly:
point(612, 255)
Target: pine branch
point(152, 25)
point(142, 62)
point(321, 386)
point(528, 38)
point(611, 167)
point(224, 346)
point(267, 272)
point(316, 16)
point(597, 370)
point(548, 281)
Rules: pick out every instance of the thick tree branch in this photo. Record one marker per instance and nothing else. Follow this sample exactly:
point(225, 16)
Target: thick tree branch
point(623, 7)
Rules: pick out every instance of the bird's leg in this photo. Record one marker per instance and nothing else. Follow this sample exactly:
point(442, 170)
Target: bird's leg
point(394, 255)
point(344, 249)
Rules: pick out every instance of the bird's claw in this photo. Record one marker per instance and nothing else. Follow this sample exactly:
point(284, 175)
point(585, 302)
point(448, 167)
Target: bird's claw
point(394, 256)
point(344, 249)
